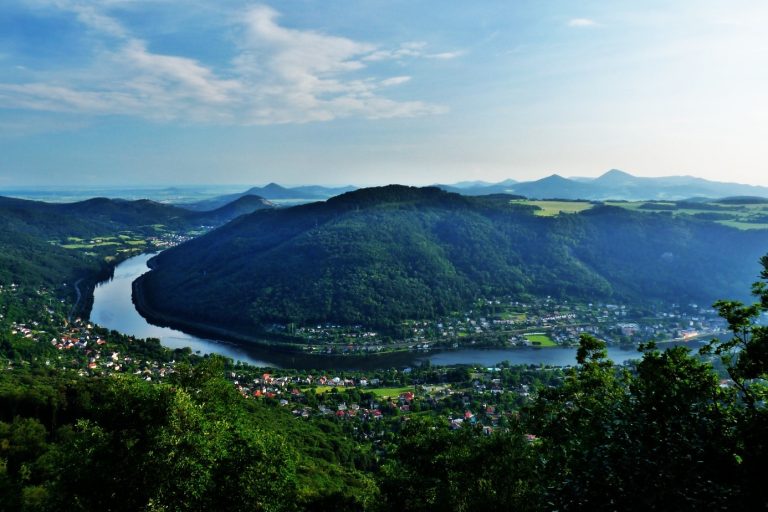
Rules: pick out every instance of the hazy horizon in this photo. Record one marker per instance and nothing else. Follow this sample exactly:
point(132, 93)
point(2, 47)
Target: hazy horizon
point(112, 93)
point(242, 186)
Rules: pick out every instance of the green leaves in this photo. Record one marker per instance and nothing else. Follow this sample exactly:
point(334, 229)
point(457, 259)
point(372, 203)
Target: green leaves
point(434, 468)
point(135, 445)
point(745, 354)
point(591, 350)
point(655, 437)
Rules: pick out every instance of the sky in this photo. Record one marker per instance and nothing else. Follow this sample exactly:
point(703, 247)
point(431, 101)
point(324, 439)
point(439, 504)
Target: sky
point(363, 92)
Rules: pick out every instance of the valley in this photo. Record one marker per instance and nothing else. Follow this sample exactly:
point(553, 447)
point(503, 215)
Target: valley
point(488, 316)
point(346, 409)
point(383, 257)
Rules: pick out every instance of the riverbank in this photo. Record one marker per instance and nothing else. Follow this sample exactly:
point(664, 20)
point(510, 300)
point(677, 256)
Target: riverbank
point(152, 315)
point(330, 351)
point(261, 342)
point(115, 308)
point(85, 286)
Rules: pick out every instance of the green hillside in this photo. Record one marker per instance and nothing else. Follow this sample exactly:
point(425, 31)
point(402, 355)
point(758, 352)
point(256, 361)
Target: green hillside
point(25, 259)
point(379, 256)
point(54, 243)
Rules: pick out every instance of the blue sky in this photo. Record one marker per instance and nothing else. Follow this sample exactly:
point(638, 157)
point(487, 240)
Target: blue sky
point(138, 92)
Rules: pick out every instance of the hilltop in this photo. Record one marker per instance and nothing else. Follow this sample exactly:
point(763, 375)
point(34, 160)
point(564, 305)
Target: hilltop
point(268, 193)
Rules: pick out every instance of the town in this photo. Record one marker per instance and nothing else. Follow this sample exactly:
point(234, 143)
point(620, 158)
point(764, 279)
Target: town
point(369, 403)
point(509, 323)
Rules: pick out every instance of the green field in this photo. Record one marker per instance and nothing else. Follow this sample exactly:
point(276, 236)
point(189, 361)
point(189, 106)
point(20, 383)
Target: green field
point(552, 208)
point(390, 392)
point(513, 315)
point(88, 246)
point(127, 241)
point(743, 216)
point(379, 392)
point(540, 340)
point(628, 205)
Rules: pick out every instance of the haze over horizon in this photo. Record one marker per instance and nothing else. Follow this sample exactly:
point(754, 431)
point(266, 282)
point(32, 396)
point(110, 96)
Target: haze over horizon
point(126, 92)
point(241, 187)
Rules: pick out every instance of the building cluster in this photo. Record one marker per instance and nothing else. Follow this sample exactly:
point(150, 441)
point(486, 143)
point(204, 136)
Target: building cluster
point(508, 323)
point(82, 349)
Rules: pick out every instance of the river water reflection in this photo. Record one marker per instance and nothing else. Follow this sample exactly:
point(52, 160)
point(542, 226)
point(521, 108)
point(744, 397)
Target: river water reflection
point(114, 309)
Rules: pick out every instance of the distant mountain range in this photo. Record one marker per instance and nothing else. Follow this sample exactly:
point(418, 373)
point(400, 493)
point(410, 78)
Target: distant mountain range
point(480, 188)
point(614, 184)
point(271, 192)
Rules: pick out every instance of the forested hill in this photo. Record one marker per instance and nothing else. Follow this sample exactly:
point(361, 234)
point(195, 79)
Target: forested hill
point(380, 255)
point(100, 216)
point(34, 234)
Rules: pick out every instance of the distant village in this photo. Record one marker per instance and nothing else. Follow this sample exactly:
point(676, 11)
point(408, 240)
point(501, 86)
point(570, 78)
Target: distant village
point(508, 323)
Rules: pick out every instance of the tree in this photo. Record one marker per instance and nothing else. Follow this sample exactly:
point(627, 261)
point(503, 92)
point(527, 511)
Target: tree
point(434, 468)
point(659, 436)
point(745, 355)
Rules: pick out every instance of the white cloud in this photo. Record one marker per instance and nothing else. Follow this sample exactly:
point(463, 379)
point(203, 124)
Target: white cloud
point(279, 75)
point(410, 50)
point(445, 55)
point(187, 75)
point(305, 76)
point(41, 96)
point(88, 12)
point(395, 80)
point(406, 50)
point(582, 22)
point(90, 16)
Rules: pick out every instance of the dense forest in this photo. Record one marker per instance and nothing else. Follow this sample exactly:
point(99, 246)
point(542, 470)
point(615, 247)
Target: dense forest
point(34, 235)
point(667, 433)
point(101, 216)
point(383, 255)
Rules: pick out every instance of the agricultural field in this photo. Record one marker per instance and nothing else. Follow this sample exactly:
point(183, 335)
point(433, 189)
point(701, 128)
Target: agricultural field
point(390, 392)
point(552, 208)
point(740, 213)
point(123, 241)
point(540, 340)
point(514, 316)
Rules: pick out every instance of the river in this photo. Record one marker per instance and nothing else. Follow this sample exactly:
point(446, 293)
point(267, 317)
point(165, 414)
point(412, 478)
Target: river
point(114, 309)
